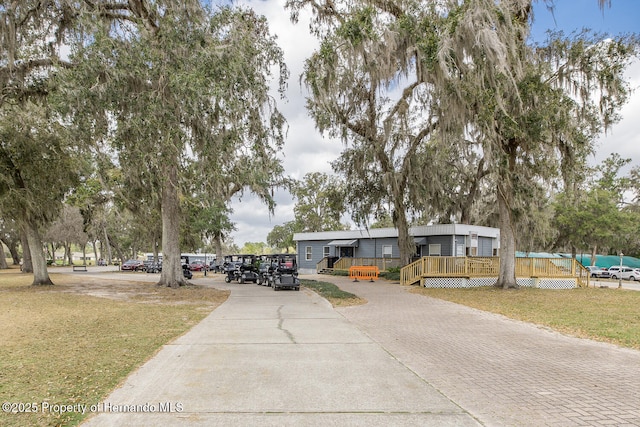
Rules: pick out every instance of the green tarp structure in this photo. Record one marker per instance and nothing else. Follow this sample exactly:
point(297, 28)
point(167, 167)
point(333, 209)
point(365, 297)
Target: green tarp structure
point(604, 261)
point(607, 261)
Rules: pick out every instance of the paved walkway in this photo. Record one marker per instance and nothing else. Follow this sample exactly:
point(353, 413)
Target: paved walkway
point(504, 372)
point(289, 358)
point(267, 358)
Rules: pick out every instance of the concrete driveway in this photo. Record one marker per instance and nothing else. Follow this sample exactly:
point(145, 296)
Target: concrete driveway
point(267, 358)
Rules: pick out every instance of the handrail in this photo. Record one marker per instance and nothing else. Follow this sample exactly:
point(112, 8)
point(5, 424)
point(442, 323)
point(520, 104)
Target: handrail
point(583, 275)
point(324, 263)
point(490, 267)
point(411, 273)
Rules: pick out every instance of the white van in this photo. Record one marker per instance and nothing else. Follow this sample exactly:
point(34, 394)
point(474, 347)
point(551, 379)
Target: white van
point(616, 271)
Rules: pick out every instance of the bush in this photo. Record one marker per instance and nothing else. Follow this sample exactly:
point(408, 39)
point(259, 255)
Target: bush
point(340, 272)
point(390, 275)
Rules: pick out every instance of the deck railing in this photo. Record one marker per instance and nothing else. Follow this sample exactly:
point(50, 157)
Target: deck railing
point(490, 267)
point(382, 263)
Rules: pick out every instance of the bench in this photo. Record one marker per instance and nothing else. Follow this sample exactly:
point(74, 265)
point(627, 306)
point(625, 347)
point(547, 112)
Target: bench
point(370, 272)
point(79, 268)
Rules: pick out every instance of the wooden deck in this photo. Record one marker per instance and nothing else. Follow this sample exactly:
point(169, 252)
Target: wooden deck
point(479, 267)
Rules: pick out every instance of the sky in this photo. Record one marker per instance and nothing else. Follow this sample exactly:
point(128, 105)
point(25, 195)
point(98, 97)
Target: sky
point(306, 150)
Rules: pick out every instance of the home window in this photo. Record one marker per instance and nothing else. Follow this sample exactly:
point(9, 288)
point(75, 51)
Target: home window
point(387, 251)
point(326, 251)
point(435, 250)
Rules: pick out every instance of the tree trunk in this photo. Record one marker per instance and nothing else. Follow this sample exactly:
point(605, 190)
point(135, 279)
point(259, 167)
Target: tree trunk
point(156, 253)
point(170, 207)
point(507, 276)
point(120, 255)
point(465, 209)
point(13, 249)
point(3, 258)
point(593, 255)
point(405, 242)
point(217, 244)
point(67, 250)
point(27, 265)
point(12, 245)
point(95, 250)
point(107, 244)
point(40, 273)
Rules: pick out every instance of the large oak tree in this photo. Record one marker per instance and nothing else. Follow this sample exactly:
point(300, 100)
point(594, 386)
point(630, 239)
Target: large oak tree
point(533, 110)
point(39, 160)
point(176, 85)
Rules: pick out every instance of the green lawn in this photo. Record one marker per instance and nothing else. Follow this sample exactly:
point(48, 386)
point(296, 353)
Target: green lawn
point(58, 347)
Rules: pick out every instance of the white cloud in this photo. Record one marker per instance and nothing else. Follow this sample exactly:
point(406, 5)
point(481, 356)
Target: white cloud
point(624, 138)
point(305, 150)
point(253, 220)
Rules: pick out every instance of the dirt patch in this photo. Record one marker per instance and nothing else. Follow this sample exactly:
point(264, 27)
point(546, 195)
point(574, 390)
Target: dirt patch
point(137, 291)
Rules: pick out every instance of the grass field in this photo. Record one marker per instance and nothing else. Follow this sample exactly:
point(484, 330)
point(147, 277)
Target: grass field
point(610, 315)
point(59, 346)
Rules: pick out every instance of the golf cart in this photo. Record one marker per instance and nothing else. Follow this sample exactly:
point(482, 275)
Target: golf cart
point(249, 268)
point(231, 268)
point(285, 272)
point(243, 268)
point(265, 270)
point(186, 272)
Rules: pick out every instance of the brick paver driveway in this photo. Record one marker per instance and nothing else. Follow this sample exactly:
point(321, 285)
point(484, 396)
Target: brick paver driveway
point(504, 372)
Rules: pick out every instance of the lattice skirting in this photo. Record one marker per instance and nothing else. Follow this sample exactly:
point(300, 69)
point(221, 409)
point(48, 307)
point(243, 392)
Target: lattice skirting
point(463, 282)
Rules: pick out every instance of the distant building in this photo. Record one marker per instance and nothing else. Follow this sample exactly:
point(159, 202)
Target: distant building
point(382, 243)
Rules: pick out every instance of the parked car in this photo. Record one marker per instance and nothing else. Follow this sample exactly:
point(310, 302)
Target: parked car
point(595, 271)
point(196, 266)
point(635, 275)
point(615, 271)
point(133, 265)
point(628, 273)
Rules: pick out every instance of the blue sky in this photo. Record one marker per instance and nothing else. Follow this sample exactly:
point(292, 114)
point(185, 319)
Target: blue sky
point(307, 151)
point(570, 15)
